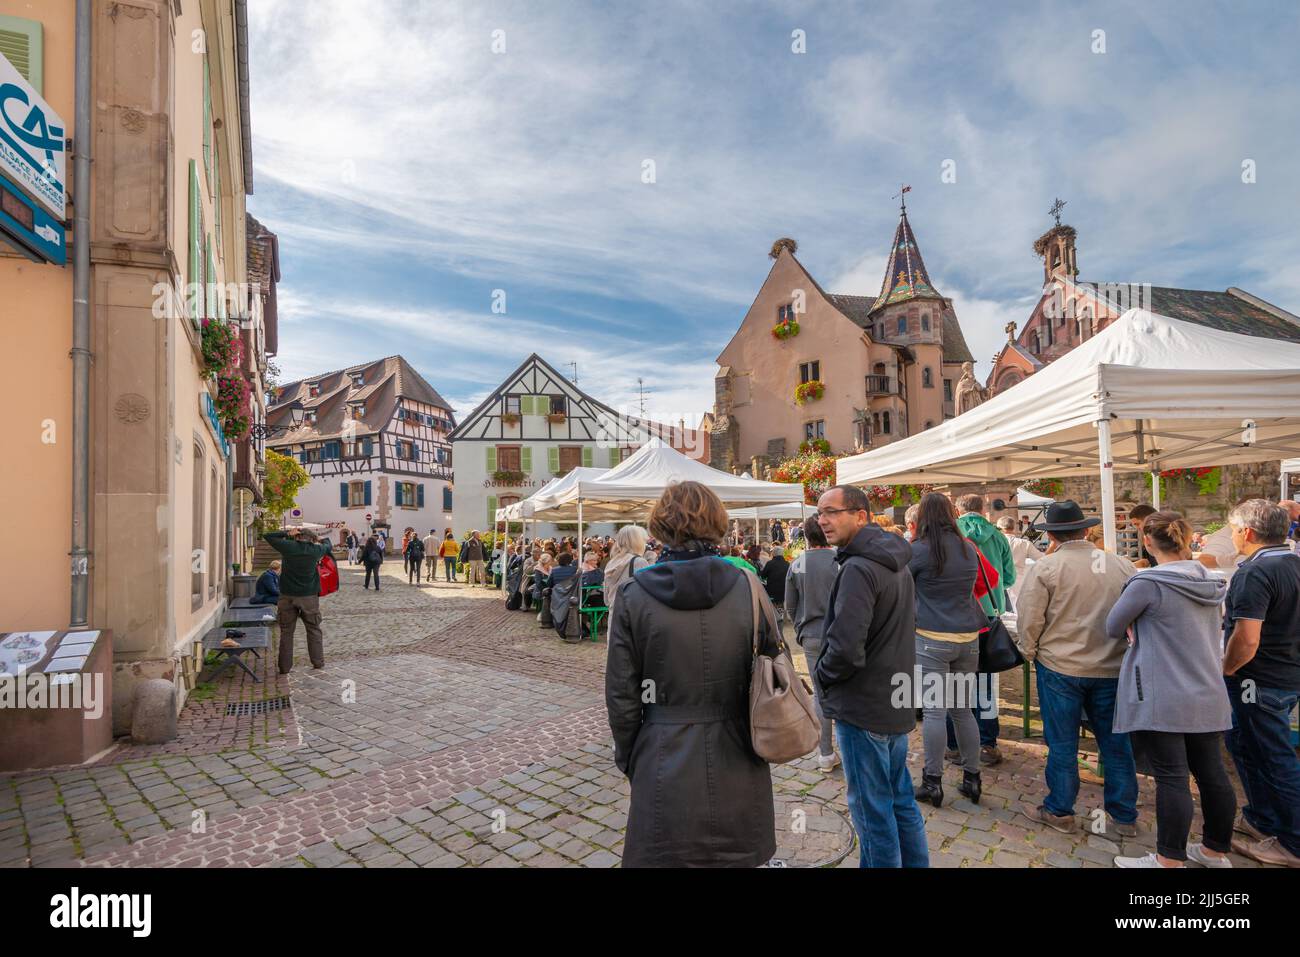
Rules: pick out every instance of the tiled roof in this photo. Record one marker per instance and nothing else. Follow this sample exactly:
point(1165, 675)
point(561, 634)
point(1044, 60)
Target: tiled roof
point(859, 309)
point(905, 275)
point(1227, 311)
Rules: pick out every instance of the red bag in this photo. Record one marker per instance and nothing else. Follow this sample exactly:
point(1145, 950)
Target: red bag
point(987, 579)
point(329, 575)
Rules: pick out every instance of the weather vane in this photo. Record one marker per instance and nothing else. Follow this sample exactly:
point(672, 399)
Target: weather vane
point(902, 194)
point(1056, 209)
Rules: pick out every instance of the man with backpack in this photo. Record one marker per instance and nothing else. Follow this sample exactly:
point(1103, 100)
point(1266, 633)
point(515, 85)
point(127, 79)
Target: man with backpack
point(414, 559)
point(300, 554)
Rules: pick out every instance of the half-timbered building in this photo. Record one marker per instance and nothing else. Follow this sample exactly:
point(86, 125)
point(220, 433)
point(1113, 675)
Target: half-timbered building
point(375, 439)
point(538, 425)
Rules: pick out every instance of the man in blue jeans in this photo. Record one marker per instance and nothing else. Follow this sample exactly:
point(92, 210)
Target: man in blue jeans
point(1063, 604)
point(868, 645)
point(1262, 665)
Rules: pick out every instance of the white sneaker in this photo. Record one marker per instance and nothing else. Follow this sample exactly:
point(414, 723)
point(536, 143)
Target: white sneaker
point(828, 762)
point(1147, 861)
point(1196, 852)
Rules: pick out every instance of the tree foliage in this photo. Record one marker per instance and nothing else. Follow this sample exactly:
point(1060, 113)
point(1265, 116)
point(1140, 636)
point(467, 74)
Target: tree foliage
point(285, 478)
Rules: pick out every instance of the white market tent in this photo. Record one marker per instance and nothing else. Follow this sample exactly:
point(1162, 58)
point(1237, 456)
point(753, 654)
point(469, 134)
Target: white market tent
point(523, 509)
point(1289, 467)
point(1026, 499)
point(1147, 393)
point(788, 510)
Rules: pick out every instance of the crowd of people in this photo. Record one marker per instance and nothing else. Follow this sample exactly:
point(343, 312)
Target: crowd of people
point(1165, 660)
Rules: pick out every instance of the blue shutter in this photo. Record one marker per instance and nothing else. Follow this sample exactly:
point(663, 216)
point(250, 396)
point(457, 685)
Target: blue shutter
point(367, 446)
point(398, 486)
point(343, 494)
point(419, 495)
point(415, 451)
point(302, 457)
point(367, 492)
point(446, 498)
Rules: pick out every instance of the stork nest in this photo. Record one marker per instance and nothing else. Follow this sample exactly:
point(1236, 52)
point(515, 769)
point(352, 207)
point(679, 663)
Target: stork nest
point(1041, 243)
point(783, 243)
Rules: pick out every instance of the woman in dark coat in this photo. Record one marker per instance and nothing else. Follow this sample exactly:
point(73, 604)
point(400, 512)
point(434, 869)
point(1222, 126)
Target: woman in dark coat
point(681, 639)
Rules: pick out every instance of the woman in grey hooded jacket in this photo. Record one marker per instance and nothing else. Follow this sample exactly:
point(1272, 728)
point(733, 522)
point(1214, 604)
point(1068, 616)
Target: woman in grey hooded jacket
point(1171, 694)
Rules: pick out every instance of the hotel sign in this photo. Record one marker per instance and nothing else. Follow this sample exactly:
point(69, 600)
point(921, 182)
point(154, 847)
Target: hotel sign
point(33, 151)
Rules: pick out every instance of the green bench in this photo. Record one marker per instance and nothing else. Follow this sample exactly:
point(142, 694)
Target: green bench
point(595, 614)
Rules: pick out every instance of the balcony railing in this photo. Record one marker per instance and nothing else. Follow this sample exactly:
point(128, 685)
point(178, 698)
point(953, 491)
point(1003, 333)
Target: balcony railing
point(880, 385)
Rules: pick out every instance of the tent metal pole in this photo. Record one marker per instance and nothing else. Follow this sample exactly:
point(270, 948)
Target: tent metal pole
point(1286, 485)
point(1155, 490)
point(1107, 465)
point(580, 551)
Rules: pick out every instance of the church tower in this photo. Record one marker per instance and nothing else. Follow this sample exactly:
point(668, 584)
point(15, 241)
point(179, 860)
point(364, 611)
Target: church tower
point(1056, 248)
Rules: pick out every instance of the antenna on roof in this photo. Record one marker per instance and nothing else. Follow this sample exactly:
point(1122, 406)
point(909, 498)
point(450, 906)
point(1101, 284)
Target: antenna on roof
point(575, 372)
point(640, 388)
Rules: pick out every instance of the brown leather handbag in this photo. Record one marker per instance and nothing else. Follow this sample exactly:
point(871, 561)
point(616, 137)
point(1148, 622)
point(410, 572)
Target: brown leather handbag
point(783, 724)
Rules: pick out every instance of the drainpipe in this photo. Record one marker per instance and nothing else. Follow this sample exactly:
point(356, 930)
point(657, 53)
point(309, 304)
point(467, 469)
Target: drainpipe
point(81, 326)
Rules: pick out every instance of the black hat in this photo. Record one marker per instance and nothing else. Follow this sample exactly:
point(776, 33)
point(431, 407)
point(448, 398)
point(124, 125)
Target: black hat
point(1064, 517)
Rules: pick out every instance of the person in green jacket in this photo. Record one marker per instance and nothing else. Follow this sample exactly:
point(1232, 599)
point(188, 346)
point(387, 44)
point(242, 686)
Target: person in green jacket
point(299, 592)
point(988, 538)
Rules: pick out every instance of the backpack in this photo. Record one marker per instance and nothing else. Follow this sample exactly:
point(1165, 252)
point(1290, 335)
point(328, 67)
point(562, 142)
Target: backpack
point(329, 574)
point(417, 550)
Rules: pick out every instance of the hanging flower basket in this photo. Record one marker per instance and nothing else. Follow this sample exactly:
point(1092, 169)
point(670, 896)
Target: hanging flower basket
point(219, 342)
point(1207, 479)
point(814, 445)
point(508, 476)
point(785, 330)
point(510, 418)
point(1046, 487)
point(809, 391)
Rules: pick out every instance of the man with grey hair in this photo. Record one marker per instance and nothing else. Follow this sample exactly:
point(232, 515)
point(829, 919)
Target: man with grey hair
point(1262, 668)
point(299, 592)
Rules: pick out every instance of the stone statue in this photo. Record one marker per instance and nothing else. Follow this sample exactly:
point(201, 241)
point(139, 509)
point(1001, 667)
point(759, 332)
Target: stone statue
point(969, 392)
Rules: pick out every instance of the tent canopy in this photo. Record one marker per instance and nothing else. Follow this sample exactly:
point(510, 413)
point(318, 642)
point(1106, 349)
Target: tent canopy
point(787, 510)
point(632, 486)
point(1030, 500)
point(1291, 465)
point(1176, 395)
point(517, 511)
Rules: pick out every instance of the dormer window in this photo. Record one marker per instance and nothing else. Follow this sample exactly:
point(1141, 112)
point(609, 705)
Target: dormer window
point(309, 417)
point(313, 390)
point(359, 410)
point(358, 379)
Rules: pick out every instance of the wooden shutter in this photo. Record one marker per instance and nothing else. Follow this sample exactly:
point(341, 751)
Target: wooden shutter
point(553, 457)
point(210, 278)
point(615, 455)
point(415, 451)
point(446, 498)
point(398, 487)
point(492, 510)
point(526, 460)
point(195, 237)
point(491, 459)
point(343, 494)
point(207, 121)
point(22, 43)
point(367, 446)
point(586, 456)
point(367, 492)
point(419, 495)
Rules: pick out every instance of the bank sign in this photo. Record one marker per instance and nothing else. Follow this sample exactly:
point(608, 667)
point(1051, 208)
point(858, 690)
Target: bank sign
point(33, 151)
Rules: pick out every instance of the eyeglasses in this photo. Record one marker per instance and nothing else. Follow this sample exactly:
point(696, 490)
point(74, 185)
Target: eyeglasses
point(834, 511)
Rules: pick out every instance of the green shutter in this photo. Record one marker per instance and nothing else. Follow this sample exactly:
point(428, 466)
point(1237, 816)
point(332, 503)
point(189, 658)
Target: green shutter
point(614, 457)
point(196, 230)
point(525, 405)
point(216, 198)
point(22, 43)
point(526, 460)
point(492, 510)
point(210, 278)
point(553, 458)
point(491, 459)
point(207, 121)
point(586, 456)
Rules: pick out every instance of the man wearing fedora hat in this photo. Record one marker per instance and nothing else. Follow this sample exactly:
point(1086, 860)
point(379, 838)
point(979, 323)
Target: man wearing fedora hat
point(1062, 609)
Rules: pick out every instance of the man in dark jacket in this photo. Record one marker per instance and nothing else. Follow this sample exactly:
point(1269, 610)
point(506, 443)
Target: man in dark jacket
point(267, 591)
point(299, 592)
point(868, 654)
point(773, 578)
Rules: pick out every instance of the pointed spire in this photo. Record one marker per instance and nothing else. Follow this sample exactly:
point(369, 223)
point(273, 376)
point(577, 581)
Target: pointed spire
point(905, 275)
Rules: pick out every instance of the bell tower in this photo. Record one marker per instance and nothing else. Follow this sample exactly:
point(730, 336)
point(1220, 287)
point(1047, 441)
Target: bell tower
point(1056, 248)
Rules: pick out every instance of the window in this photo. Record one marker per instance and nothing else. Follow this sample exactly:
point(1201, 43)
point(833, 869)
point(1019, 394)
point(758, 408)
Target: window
point(947, 390)
point(1035, 346)
point(570, 457)
point(814, 430)
point(446, 498)
point(785, 313)
point(313, 390)
point(810, 371)
point(512, 405)
point(198, 559)
point(214, 549)
point(884, 423)
point(902, 325)
point(314, 454)
point(925, 322)
point(508, 458)
point(875, 422)
point(23, 44)
point(559, 405)
point(358, 379)
point(356, 494)
point(309, 417)
point(407, 450)
point(927, 378)
point(409, 495)
point(862, 433)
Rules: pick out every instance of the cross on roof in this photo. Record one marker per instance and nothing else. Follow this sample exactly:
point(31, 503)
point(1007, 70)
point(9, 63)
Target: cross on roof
point(1056, 210)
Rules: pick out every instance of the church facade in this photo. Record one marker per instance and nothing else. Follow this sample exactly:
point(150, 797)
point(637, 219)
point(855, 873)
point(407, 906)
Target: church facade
point(842, 372)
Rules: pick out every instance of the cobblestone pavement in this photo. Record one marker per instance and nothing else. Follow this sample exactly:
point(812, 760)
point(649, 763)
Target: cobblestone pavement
point(445, 731)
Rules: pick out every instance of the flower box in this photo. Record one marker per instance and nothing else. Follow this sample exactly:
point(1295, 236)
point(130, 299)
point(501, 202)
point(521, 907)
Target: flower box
point(510, 418)
point(508, 476)
point(556, 418)
point(815, 445)
point(809, 391)
point(785, 330)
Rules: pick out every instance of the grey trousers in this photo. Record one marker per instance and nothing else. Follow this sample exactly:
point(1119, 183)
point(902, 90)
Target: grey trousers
point(290, 609)
point(941, 697)
point(812, 647)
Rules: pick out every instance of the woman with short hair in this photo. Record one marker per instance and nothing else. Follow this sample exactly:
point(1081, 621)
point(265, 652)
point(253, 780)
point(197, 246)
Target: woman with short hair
point(677, 693)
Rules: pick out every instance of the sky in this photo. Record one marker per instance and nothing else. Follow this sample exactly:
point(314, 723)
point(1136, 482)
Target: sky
point(612, 176)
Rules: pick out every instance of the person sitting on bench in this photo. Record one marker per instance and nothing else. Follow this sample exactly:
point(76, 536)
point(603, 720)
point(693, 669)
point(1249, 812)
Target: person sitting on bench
point(268, 586)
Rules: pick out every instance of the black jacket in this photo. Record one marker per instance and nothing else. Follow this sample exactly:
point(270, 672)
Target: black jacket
point(681, 637)
point(869, 634)
point(773, 575)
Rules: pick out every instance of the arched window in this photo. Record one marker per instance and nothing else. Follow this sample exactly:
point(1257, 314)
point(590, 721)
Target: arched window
point(927, 378)
point(925, 322)
point(884, 423)
point(902, 325)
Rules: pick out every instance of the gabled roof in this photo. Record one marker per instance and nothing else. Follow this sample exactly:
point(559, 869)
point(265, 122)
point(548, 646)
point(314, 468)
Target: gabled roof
point(384, 383)
point(1228, 311)
point(905, 275)
point(532, 375)
point(859, 309)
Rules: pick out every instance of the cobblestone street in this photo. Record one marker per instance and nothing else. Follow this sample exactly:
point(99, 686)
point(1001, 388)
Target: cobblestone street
point(446, 731)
